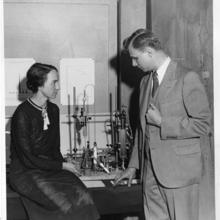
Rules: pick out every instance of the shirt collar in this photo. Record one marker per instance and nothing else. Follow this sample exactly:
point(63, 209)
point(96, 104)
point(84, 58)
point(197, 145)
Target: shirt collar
point(162, 69)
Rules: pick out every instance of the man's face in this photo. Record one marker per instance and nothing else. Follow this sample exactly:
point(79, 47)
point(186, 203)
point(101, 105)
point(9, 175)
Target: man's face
point(142, 60)
point(51, 85)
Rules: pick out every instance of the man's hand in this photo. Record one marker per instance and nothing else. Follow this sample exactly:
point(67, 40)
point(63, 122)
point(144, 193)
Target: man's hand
point(71, 167)
point(153, 115)
point(129, 174)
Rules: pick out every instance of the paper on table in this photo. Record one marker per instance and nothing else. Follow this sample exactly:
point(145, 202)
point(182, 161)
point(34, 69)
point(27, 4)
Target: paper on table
point(94, 183)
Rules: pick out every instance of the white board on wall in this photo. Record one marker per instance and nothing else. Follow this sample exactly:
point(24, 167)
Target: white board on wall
point(78, 73)
point(15, 80)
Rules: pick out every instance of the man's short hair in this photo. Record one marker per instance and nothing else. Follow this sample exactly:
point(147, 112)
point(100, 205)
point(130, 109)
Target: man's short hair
point(141, 39)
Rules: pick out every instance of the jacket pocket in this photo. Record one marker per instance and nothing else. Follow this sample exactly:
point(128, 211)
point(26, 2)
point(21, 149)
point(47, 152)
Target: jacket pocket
point(188, 149)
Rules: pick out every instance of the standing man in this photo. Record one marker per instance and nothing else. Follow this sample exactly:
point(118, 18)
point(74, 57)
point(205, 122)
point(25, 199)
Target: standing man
point(174, 116)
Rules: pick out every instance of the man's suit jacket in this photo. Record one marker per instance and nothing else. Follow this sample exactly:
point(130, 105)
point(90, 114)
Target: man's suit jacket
point(175, 146)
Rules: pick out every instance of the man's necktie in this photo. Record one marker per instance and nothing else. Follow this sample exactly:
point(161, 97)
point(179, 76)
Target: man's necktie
point(155, 83)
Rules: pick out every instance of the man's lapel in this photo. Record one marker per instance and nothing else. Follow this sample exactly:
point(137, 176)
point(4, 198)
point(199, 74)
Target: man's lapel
point(145, 95)
point(167, 83)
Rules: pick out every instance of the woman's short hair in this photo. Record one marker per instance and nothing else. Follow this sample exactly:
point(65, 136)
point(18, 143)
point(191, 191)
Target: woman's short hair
point(37, 75)
point(141, 39)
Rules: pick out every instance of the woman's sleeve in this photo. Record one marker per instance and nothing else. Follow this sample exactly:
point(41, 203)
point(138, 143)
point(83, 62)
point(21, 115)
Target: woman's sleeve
point(21, 141)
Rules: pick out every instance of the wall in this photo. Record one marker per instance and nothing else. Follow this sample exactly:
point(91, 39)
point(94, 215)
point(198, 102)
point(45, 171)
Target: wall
point(185, 27)
point(49, 30)
point(133, 16)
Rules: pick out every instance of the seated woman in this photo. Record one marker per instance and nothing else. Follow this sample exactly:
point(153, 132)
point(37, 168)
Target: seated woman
point(38, 171)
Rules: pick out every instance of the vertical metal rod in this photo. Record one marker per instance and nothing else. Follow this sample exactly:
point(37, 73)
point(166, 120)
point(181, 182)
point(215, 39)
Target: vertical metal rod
point(111, 120)
point(118, 55)
point(74, 120)
point(69, 124)
point(148, 15)
point(87, 118)
point(94, 119)
point(84, 115)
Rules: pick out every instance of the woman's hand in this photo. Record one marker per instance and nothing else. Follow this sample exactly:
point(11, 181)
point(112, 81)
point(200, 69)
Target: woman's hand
point(71, 167)
point(129, 174)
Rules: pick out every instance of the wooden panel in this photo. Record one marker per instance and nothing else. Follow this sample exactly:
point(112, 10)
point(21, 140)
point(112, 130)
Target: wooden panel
point(185, 27)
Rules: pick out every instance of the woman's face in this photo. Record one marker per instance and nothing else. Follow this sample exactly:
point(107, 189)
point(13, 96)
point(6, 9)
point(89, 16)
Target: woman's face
point(51, 85)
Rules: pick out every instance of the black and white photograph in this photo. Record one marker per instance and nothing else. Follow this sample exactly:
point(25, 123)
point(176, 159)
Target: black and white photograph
point(109, 110)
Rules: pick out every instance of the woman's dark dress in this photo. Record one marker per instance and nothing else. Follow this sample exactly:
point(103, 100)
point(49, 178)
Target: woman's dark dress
point(36, 168)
